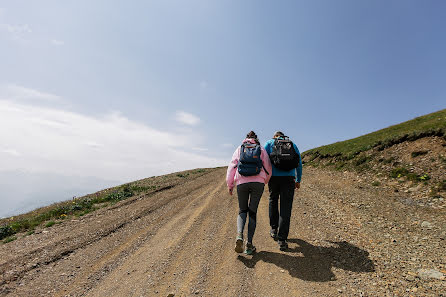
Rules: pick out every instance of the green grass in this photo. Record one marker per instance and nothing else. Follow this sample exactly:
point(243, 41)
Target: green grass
point(428, 125)
point(376, 183)
point(9, 239)
point(49, 224)
point(403, 172)
point(77, 207)
point(183, 175)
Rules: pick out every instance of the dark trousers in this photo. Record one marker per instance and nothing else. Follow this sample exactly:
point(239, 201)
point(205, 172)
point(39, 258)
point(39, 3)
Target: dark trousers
point(281, 187)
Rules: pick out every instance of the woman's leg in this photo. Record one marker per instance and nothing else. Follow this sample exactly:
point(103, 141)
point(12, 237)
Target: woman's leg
point(256, 194)
point(243, 191)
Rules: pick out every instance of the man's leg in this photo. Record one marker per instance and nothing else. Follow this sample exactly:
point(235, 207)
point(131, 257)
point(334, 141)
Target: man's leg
point(274, 192)
point(286, 204)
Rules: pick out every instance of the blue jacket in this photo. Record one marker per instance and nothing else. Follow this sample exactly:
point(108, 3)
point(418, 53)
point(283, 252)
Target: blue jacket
point(297, 172)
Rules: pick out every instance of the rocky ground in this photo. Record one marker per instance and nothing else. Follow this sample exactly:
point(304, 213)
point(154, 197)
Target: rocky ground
point(347, 238)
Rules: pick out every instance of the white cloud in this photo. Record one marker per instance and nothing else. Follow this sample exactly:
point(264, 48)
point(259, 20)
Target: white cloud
point(56, 42)
point(17, 32)
point(108, 147)
point(16, 29)
point(187, 118)
point(11, 152)
point(200, 149)
point(16, 92)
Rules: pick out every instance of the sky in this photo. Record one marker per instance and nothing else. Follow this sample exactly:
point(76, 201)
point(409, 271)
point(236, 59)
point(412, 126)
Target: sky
point(98, 93)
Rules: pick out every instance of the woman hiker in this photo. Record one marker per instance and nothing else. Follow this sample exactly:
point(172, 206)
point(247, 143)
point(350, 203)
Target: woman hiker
point(250, 168)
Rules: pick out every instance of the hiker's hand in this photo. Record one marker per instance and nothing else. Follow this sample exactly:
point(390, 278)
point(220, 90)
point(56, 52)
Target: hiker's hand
point(230, 191)
point(297, 185)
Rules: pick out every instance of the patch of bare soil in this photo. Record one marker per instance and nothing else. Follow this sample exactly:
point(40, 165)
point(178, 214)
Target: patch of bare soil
point(347, 238)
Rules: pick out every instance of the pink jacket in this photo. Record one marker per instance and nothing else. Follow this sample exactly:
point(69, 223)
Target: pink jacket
point(233, 175)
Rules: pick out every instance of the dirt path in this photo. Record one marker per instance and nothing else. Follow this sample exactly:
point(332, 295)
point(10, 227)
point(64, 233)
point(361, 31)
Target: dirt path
point(346, 239)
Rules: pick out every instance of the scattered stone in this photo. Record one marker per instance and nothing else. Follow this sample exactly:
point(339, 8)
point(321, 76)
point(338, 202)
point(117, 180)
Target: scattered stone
point(410, 278)
point(426, 225)
point(430, 274)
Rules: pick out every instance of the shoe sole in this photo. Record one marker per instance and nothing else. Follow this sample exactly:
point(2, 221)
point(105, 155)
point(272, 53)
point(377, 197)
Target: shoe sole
point(239, 246)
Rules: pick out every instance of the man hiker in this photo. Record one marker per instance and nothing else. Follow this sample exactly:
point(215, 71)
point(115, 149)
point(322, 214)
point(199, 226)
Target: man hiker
point(286, 176)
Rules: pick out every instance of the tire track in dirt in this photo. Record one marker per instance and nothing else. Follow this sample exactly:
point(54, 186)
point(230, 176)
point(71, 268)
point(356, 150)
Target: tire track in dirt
point(140, 221)
point(153, 261)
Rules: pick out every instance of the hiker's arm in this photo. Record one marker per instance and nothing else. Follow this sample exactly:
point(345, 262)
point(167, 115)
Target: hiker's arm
point(299, 168)
point(268, 147)
point(232, 167)
point(267, 164)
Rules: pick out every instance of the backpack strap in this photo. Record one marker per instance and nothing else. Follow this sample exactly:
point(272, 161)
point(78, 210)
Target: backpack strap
point(265, 169)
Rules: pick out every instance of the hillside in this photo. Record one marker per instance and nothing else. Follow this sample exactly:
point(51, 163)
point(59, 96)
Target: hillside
point(433, 124)
point(347, 238)
point(408, 157)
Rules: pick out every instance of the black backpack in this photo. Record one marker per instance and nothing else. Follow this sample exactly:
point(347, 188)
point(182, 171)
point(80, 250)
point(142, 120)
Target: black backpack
point(283, 155)
point(250, 162)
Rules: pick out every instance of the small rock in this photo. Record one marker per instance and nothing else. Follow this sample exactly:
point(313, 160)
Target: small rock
point(281, 270)
point(426, 224)
point(430, 273)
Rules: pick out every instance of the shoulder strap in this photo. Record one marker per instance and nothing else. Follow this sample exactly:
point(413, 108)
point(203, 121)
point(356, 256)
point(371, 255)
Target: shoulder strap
point(265, 169)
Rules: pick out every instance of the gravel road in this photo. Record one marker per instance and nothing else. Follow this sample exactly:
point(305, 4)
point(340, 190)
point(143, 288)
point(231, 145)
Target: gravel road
point(346, 239)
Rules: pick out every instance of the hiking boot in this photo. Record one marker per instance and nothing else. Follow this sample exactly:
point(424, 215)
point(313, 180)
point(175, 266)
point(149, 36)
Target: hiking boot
point(283, 245)
point(273, 234)
point(239, 243)
point(250, 248)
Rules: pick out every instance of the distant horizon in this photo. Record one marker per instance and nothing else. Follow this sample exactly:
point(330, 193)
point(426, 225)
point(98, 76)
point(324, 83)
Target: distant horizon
point(25, 209)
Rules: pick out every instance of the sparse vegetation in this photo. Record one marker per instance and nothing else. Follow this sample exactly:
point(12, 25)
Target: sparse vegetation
point(49, 224)
point(433, 124)
point(442, 185)
point(82, 206)
point(5, 231)
point(399, 172)
point(418, 153)
point(376, 183)
point(9, 239)
point(361, 160)
point(403, 172)
point(78, 207)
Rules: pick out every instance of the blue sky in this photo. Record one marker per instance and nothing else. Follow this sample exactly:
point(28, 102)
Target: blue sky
point(120, 90)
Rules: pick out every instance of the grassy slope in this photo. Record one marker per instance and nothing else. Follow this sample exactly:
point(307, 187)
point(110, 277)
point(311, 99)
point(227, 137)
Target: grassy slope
point(55, 213)
point(430, 124)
